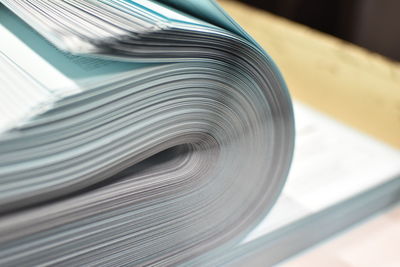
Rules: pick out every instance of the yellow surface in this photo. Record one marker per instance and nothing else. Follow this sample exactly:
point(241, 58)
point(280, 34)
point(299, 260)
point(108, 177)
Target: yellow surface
point(349, 83)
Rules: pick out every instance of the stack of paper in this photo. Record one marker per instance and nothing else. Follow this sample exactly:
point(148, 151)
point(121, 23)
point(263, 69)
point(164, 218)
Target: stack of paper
point(133, 133)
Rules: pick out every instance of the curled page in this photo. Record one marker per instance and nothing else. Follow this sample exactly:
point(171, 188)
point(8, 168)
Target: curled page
point(155, 132)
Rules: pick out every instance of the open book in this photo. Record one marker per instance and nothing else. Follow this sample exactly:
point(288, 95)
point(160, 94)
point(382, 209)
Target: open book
point(134, 132)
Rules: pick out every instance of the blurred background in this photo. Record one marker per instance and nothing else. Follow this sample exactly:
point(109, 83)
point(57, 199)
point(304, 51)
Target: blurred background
point(372, 24)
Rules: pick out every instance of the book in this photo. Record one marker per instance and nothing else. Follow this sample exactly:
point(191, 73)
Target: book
point(134, 132)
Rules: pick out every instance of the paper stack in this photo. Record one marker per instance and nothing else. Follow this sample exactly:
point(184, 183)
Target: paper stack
point(133, 133)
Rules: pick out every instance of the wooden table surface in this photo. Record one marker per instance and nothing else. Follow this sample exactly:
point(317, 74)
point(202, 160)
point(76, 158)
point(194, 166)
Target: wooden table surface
point(353, 85)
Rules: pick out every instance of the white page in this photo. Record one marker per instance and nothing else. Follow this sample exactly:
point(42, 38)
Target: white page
point(24, 57)
point(23, 76)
